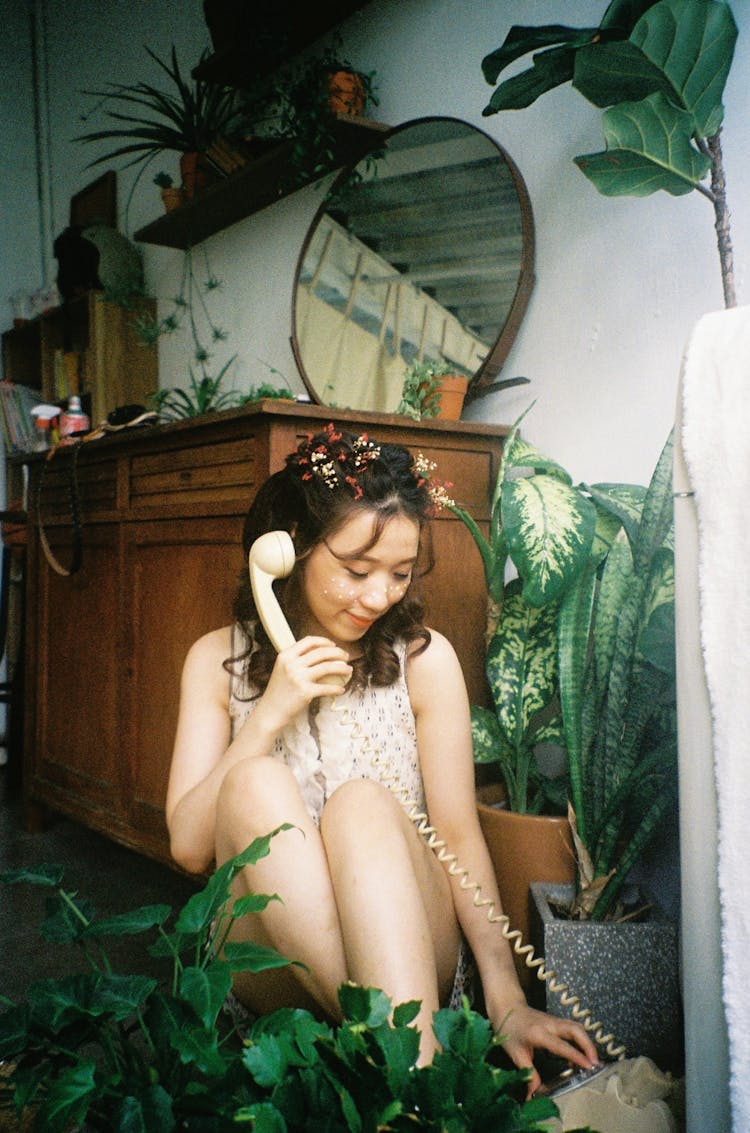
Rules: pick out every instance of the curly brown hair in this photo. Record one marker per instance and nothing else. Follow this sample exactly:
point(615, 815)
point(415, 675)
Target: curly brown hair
point(328, 478)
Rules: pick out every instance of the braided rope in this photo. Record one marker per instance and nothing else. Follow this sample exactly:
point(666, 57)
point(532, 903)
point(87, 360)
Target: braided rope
point(537, 964)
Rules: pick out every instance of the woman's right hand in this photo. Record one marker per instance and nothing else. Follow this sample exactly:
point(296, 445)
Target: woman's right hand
point(311, 668)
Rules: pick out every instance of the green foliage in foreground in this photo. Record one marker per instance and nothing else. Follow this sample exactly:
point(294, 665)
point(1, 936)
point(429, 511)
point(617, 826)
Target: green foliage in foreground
point(99, 1050)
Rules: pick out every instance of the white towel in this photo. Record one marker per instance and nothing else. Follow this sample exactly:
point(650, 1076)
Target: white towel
point(716, 441)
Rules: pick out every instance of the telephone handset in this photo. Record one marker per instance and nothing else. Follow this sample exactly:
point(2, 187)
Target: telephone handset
point(272, 556)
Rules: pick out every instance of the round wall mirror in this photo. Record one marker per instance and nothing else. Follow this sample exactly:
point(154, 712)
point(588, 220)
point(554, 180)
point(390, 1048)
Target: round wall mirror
point(421, 251)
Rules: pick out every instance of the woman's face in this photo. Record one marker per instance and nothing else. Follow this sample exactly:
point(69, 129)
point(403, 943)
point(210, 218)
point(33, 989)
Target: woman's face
point(347, 588)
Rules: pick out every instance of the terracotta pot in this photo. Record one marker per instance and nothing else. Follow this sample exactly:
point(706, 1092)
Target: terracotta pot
point(195, 174)
point(346, 93)
point(523, 848)
point(450, 396)
point(172, 197)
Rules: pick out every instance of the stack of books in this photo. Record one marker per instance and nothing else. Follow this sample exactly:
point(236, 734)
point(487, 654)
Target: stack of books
point(16, 402)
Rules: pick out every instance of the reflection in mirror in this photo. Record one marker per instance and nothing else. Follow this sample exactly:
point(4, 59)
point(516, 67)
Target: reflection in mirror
point(421, 252)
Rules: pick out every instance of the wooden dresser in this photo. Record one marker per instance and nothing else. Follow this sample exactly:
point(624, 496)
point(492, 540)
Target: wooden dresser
point(162, 512)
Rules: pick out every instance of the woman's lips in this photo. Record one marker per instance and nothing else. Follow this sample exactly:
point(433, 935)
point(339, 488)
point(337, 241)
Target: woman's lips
point(363, 623)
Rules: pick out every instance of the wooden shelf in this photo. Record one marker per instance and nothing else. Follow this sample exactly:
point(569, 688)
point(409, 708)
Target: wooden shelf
point(260, 183)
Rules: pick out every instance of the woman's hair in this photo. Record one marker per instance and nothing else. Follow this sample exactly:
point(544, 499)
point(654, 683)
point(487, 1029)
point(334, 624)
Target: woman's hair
point(330, 477)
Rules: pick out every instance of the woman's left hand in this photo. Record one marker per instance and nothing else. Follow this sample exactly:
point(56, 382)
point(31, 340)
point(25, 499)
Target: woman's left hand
point(524, 1030)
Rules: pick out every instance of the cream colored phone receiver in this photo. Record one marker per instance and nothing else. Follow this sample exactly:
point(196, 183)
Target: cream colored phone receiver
point(271, 556)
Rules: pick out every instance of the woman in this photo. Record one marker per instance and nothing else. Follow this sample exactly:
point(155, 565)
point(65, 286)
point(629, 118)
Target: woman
point(264, 740)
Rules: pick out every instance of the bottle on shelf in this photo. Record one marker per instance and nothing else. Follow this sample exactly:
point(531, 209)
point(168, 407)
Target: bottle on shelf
point(74, 421)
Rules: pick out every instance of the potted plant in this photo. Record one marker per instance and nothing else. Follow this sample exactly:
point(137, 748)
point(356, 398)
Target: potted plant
point(432, 389)
point(305, 103)
point(99, 1050)
point(172, 195)
point(186, 117)
point(581, 647)
point(657, 68)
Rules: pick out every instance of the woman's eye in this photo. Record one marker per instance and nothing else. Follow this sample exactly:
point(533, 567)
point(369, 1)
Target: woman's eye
point(402, 577)
point(356, 573)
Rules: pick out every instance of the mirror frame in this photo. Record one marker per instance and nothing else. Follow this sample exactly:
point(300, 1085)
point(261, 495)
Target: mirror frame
point(484, 380)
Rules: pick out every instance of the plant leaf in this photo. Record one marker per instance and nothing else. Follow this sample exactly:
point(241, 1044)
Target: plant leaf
point(246, 956)
point(551, 69)
point(366, 1005)
point(610, 73)
point(206, 990)
point(130, 923)
point(648, 148)
point(14, 1030)
point(68, 1097)
point(549, 527)
point(521, 40)
point(487, 739)
point(668, 33)
point(46, 875)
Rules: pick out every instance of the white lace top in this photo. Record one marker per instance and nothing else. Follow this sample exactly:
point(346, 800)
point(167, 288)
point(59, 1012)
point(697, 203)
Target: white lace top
point(364, 734)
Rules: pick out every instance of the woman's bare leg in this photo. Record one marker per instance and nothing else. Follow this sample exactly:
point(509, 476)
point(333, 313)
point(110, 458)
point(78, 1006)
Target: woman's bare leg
point(394, 901)
point(257, 796)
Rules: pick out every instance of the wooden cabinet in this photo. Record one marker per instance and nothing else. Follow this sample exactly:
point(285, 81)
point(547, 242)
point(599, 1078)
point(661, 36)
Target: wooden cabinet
point(162, 513)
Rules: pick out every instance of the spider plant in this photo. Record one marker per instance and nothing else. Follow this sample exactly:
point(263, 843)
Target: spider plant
point(147, 120)
point(203, 395)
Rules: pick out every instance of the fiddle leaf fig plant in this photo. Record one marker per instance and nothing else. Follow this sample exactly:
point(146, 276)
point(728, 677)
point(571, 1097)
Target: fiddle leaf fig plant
point(657, 69)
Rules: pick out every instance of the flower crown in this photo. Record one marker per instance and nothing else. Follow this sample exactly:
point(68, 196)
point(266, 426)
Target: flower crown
point(335, 461)
point(436, 489)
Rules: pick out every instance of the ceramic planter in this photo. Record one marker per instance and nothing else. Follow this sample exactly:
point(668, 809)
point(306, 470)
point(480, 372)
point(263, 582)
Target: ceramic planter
point(450, 396)
point(523, 848)
point(346, 93)
point(625, 973)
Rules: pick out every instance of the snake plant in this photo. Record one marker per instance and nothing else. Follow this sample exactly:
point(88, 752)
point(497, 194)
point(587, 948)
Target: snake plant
point(580, 650)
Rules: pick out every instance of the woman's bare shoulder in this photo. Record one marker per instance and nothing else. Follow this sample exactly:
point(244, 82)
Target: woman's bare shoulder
point(427, 667)
point(210, 651)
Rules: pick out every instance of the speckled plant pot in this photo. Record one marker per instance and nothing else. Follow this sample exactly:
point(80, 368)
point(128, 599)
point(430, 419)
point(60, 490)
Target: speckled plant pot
point(625, 974)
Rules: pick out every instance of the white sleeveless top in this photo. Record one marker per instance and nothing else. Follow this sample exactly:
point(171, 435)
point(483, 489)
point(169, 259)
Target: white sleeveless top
point(368, 733)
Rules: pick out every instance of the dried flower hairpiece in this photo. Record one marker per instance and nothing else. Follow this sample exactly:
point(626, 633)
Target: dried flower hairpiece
point(436, 489)
point(334, 461)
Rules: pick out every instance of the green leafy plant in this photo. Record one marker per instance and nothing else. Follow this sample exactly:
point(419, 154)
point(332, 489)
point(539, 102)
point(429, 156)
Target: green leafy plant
point(190, 307)
point(361, 1075)
point(294, 105)
point(123, 1052)
point(657, 68)
point(419, 393)
point(580, 650)
point(119, 1053)
point(187, 117)
point(204, 395)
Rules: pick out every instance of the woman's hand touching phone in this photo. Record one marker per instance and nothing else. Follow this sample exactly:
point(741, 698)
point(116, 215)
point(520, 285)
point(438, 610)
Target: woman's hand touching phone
point(303, 672)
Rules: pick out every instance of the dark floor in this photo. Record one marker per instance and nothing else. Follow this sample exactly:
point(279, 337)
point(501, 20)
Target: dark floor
point(113, 878)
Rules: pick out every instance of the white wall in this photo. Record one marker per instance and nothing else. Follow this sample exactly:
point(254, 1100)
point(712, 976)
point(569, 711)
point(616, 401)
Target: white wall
point(620, 282)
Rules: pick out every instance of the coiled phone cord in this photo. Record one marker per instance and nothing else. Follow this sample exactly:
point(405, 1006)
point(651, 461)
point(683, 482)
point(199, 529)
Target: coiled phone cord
point(389, 779)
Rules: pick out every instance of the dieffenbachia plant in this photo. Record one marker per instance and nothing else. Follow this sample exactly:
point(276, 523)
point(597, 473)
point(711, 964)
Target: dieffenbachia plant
point(580, 650)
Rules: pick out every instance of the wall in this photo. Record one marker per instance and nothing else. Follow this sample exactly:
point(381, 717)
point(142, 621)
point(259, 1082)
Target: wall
point(620, 282)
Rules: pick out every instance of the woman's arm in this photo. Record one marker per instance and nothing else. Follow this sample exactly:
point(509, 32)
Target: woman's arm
point(203, 753)
point(441, 707)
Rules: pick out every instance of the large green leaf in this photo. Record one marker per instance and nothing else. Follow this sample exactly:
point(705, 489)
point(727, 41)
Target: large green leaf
point(573, 644)
point(149, 1112)
point(522, 664)
point(14, 1030)
point(130, 923)
point(68, 1098)
point(522, 454)
point(57, 1002)
point(648, 148)
point(549, 527)
point(487, 739)
point(609, 73)
point(692, 42)
point(624, 502)
point(551, 68)
point(206, 989)
point(521, 40)
point(246, 956)
point(622, 15)
point(47, 875)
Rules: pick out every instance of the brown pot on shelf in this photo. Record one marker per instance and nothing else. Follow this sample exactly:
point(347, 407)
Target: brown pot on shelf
point(346, 93)
point(195, 173)
point(172, 197)
point(523, 848)
point(448, 397)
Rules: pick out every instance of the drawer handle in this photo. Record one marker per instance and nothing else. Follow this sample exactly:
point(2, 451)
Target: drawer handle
point(186, 475)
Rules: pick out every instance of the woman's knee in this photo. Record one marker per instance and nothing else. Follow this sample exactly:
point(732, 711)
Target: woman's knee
point(360, 806)
point(256, 791)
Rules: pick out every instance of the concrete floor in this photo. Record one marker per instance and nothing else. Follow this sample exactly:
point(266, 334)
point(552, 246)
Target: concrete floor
point(113, 878)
